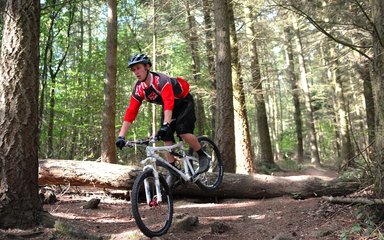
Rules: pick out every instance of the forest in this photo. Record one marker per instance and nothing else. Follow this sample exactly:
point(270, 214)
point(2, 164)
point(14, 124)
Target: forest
point(300, 75)
point(278, 84)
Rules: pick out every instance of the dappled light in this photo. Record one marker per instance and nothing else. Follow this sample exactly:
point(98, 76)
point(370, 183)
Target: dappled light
point(240, 204)
point(242, 218)
point(278, 106)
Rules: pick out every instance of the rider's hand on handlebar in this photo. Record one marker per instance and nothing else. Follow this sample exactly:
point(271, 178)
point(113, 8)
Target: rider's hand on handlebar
point(163, 131)
point(120, 142)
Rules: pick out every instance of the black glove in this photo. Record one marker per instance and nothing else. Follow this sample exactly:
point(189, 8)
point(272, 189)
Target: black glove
point(120, 142)
point(163, 131)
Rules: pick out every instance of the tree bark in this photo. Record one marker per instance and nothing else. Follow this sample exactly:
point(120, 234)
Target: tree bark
point(19, 91)
point(244, 153)
point(364, 70)
point(346, 148)
point(295, 94)
point(224, 129)
point(87, 173)
point(378, 80)
point(210, 58)
point(315, 156)
point(196, 69)
point(266, 154)
point(114, 176)
point(108, 149)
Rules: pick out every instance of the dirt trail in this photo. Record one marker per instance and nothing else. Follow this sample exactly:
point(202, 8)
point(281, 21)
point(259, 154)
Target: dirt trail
point(276, 218)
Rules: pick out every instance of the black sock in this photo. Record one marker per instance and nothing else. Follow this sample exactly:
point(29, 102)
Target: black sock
point(201, 152)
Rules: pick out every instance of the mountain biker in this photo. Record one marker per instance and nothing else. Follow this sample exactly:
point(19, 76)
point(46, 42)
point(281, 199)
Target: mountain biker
point(178, 113)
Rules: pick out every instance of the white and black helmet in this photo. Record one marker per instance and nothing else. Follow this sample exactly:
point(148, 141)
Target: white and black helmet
point(139, 58)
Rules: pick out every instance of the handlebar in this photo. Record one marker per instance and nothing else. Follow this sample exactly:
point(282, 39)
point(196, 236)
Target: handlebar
point(145, 142)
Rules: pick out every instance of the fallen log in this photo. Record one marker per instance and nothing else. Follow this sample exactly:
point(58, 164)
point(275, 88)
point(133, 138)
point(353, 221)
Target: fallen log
point(114, 176)
point(86, 173)
point(353, 200)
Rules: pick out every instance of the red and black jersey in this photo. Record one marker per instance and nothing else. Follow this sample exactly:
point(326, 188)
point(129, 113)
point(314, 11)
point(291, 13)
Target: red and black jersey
point(163, 90)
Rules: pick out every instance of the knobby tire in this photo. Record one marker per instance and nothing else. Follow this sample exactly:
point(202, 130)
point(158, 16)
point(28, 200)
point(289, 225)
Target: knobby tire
point(156, 220)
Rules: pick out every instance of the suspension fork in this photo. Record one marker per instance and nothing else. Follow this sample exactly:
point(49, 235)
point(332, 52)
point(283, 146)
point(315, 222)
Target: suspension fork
point(157, 185)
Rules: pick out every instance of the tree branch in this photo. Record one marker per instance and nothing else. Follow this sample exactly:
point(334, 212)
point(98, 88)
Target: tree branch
point(375, 201)
point(371, 23)
point(322, 30)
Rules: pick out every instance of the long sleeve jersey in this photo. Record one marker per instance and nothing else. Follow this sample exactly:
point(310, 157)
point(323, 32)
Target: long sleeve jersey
point(162, 90)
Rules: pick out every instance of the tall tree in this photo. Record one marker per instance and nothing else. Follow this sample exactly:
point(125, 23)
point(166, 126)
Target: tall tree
point(378, 63)
point(243, 138)
point(209, 37)
point(224, 129)
point(108, 150)
point(154, 54)
point(315, 157)
point(289, 35)
point(48, 42)
point(196, 69)
point(266, 154)
point(345, 143)
point(364, 70)
point(19, 88)
point(54, 67)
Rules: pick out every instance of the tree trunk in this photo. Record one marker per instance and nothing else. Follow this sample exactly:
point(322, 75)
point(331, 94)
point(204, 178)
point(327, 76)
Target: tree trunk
point(114, 176)
point(87, 173)
point(378, 79)
point(154, 61)
point(44, 75)
point(108, 149)
point(346, 148)
point(295, 94)
point(193, 43)
point(315, 157)
point(210, 58)
point(19, 91)
point(364, 71)
point(51, 116)
point(266, 154)
point(53, 66)
point(224, 129)
point(244, 148)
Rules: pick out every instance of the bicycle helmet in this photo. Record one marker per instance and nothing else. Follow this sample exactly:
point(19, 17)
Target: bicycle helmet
point(139, 58)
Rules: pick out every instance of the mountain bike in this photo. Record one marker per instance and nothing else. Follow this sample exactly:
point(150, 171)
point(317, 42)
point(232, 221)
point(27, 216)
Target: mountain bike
point(151, 197)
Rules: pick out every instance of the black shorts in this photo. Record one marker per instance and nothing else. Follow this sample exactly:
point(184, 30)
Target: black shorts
point(183, 118)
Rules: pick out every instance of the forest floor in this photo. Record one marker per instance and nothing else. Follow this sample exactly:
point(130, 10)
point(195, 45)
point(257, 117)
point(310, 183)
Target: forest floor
point(281, 218)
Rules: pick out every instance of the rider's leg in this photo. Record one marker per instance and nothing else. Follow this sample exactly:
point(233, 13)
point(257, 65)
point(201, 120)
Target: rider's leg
point(170, 178)
point(195, 145)
point(191, 140)
point(170, 158)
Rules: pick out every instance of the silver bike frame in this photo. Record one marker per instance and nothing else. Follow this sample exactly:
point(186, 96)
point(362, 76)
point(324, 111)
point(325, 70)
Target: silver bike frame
point(150, 163)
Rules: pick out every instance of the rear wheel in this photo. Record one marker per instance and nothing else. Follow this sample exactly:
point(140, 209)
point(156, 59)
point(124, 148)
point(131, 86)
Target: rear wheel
point(153, 218)
point(211, 179)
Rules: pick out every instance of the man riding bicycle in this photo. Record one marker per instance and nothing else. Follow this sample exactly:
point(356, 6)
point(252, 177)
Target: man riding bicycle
point(178, 113)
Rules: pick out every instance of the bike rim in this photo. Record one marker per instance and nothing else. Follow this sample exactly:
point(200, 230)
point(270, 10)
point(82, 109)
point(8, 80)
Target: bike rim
point(212, 178)
point(154, 218)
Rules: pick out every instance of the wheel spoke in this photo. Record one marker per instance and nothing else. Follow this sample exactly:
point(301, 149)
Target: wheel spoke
point(153, 219)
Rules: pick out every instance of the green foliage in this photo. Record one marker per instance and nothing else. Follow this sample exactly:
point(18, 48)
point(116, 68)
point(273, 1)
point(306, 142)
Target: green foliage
point(289, 165)
point(288, 141)
point(267, 168)
point(326, 136)
point(351, 175)
point(79, 96)
point(368, 223)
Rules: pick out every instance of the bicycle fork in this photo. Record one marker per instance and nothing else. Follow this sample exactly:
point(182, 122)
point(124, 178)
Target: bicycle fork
point(157, 198)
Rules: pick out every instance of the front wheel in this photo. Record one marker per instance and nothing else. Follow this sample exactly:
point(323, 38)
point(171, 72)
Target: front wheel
point(211, 179)
point(153, 218)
